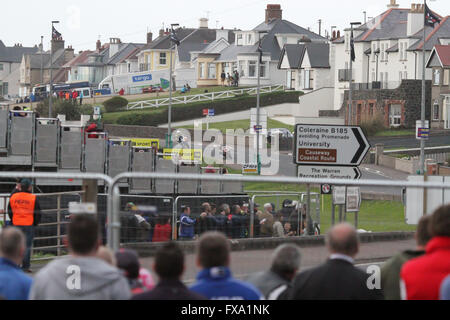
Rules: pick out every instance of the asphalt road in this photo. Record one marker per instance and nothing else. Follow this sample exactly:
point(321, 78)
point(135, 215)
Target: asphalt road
point(411, 142)
point(245, 263)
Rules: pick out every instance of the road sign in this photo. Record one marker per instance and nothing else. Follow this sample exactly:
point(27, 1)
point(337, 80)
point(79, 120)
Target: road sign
point(205, 112)
point(211, 112)
point(353, 199)
point(320, 172)
point(258, 128)
point(250, 168)
point(325, 189)
point(338, 195)
point(329, 145)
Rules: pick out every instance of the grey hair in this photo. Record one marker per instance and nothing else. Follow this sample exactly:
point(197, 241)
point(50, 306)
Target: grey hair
point(12, 240)
point(343, 242)
point(286, 259)
point(268, 205)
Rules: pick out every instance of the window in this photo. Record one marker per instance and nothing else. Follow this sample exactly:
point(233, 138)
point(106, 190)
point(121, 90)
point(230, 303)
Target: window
point(162, 58)
point(437, 77)
point(1, 66)
point(371, 110)
point(405, 75)
point(400, 76)
point(436, 110)
point(446, 77)
point(374, 48)
point(249, 39)
point(308, 79)
point(241, 68)
point(5, 88)
point(211, 71)
point(201, 70)
point(262, 70)
point(252, 69)
point(239, 39)
point(395, 115)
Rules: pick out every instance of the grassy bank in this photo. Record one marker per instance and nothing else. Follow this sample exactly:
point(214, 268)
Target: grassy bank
point(242, 124)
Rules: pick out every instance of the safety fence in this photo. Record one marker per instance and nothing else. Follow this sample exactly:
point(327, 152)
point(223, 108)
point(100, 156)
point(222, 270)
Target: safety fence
point(211, 96)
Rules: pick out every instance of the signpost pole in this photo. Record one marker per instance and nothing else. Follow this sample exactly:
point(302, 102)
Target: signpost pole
point(333, 214)
point(309, 226)
point(340, 212)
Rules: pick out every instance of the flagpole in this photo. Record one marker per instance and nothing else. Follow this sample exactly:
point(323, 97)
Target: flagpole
point(422, 116)
point(350, 91)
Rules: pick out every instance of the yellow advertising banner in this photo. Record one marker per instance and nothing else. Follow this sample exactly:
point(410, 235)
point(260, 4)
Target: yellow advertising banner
point(146, 143)
point(184, 154)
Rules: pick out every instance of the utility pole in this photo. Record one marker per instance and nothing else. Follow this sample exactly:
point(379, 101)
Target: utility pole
point(422, 109)
point(350, 92)
point(50, 100)
point(169, 127)
point(42, 60)
point(258, 156)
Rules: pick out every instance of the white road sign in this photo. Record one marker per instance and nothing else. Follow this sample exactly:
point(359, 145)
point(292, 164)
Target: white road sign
point(353, 199)
point(329, 145)
point(320, 172)
point(338, 195)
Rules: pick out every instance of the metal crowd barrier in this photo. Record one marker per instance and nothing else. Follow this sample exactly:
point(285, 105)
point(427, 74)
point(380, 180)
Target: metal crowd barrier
point(114, 192)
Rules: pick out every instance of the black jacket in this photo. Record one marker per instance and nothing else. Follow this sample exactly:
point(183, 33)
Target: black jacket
point(335, 279)
point(169, 290)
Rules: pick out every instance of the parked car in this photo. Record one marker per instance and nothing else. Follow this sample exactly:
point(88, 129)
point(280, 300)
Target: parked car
point(281, 132)
point(152, 89)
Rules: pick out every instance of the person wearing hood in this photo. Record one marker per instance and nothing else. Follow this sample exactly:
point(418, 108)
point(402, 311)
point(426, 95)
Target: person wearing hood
point(81, 275)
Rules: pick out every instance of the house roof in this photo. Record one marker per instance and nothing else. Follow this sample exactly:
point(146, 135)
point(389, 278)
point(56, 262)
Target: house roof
point(443, 54)
point(318, 54)
point(164, 41)
point(433, 35)
point(197, 40)
point(80, 58)
point(124, 51)
point(14, 54)
point(37, 59)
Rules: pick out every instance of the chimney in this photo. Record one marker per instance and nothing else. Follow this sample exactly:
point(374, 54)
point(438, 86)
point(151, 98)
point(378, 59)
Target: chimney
point(69, 54)
point(203, 23)
point(149, 37)
point(273, 12)
point(415, 19)
point(57, 44)
point(98, 45)
point(114, 46)
point(393, 4)
point(161, 32)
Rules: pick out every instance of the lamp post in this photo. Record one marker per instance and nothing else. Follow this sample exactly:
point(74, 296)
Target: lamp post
point(350, 92)
point(42, 60)
point(169, 120)
point(258, 93)
point(50, 101)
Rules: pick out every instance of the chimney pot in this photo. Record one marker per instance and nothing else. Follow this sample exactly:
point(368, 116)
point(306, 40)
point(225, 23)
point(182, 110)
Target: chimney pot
point(149, 37)
point(273, 12)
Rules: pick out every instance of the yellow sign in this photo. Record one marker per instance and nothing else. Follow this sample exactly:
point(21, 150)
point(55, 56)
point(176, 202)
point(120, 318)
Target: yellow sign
point(146, 143)
point(184, 154)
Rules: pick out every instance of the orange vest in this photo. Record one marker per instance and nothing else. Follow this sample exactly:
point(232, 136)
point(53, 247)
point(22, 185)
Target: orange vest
point(22, 206)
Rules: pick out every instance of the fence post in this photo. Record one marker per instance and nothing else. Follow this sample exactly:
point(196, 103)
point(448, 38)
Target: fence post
point(333, 214)
point(58, 229)
point(252, 217)
point(309, 227)
point(174, 220)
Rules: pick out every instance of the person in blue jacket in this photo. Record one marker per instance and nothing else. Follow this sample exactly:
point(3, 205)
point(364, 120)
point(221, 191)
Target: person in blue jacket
point(187, 224)
point(215, 280)
point(14, 283)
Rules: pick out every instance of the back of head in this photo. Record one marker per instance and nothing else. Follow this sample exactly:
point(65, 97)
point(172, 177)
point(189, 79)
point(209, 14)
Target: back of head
point(423, 231)
point(25, 184)
point(286, 260)
point(12, 243)
point(83, 234)
point(343, 239)
point(128, 261)
point(440, 222)
point(213, 250)
point(169, 261)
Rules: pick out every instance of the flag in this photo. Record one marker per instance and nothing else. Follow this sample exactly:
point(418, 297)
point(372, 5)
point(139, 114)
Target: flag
point(174, 38)
point(260, 51)
point(352, 47)
point(55, 34)
point(430, 18)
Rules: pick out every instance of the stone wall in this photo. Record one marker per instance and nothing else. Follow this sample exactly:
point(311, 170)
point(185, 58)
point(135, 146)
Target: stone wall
point(408, 95)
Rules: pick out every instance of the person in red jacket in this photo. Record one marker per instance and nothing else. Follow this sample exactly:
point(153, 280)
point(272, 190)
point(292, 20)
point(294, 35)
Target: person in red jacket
point(162, 231)
point(74, 96)
point(421, 277)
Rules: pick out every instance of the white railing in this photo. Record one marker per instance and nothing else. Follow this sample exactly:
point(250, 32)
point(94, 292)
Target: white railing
point(211, 96)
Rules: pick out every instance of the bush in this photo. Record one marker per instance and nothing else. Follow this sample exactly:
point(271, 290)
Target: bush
point(194, 110)
point(71, 110)
point(373, 126)
point(115, 104)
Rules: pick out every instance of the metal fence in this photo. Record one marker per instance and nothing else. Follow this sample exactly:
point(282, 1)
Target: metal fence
point(211, 96)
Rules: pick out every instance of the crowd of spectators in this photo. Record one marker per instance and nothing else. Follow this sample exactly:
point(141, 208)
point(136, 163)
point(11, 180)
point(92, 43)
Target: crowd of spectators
point(91, 271)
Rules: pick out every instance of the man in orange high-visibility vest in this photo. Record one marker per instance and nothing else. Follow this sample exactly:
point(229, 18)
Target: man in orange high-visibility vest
point(25, 213)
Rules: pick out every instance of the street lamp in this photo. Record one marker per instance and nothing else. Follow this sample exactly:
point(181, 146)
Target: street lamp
point(258, 91)
point(169, 127)
point(350, 98)
point(50, 102)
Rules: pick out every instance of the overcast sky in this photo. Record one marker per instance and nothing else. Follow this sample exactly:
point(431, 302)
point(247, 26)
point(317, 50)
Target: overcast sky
point(84, 21)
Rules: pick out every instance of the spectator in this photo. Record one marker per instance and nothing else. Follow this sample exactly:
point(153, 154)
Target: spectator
point(236, 222)
point(223, 77)
point(278, 230)
point(274, 283)
point(81, 97)
point(128, 262)
point(144, 228)
point(25, 213)
point(266, 221)
point(121, 92)
point(81, 275)
point(67, 96)
point(74, 96)
point(422, 277)
point(288, 230)
point(337, 278)
point(163, 230)
point(390, 271)
point(107, 255)
point(445, 289)
point(215, 280)
point(229, 80)
point(169, 266)
point(186, 231)
point(14, 284)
